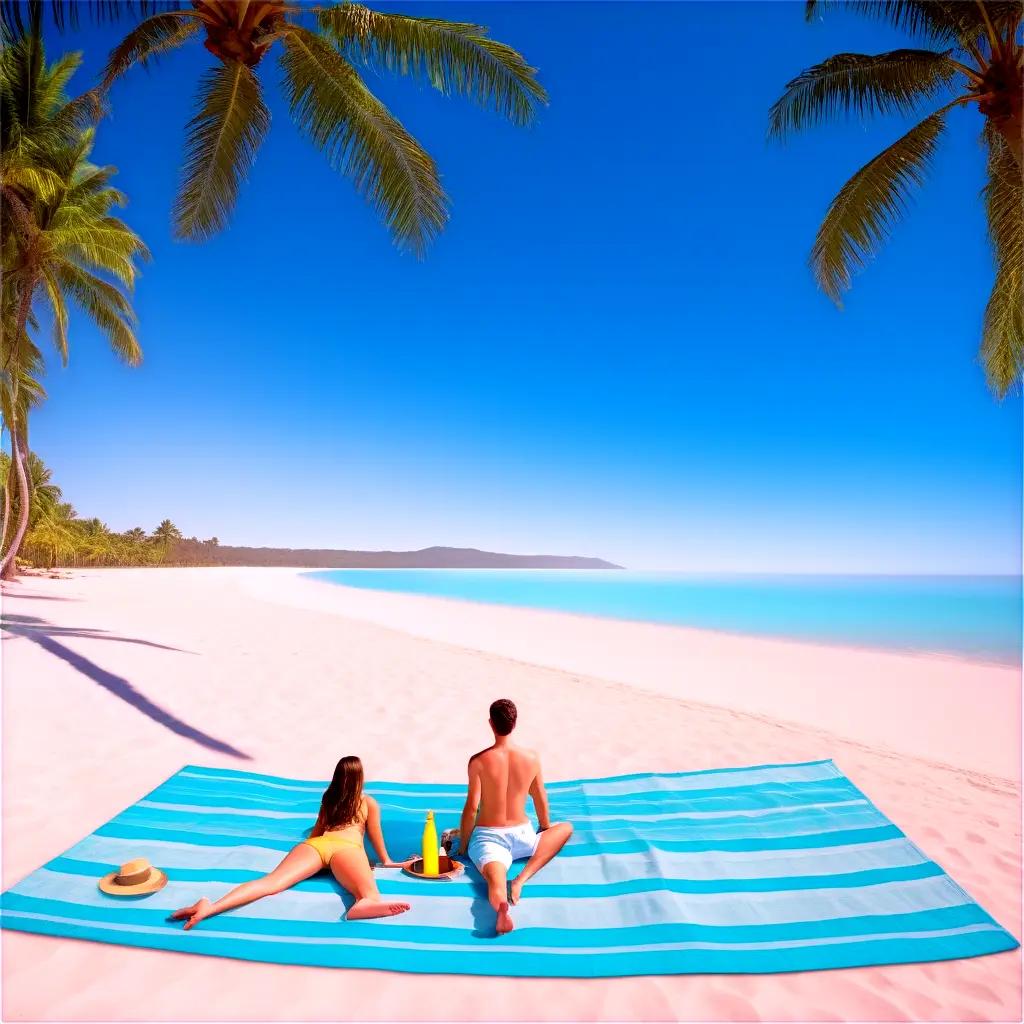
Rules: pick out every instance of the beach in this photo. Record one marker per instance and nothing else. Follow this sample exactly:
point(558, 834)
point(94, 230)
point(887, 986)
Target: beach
point(114, 679)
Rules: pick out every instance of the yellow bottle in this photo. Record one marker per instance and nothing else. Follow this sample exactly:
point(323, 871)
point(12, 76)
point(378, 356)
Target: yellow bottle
point(430, 865)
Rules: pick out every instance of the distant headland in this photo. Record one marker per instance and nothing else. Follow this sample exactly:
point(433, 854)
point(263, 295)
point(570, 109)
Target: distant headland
point(193, 552)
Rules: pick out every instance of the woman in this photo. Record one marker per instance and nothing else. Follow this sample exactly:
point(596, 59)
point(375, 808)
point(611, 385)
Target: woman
point(336, 842)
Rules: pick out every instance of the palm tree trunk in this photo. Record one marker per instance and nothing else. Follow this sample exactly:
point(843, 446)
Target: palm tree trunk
point(8, 565)
point(7, 504)
point(24, 308)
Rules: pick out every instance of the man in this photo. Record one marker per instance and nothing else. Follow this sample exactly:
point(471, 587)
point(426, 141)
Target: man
point(495, 829)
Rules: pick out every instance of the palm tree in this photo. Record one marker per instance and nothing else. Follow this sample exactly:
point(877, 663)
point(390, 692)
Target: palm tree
point(43, 494)
point(46, 495)
point(975, 58)
point(6, 481)
point(166, 533)
point(20, 391)
point(136, 548)
point(35, 119)
point(164, 539)
point(95, 543)
point(53, 538)
point(320, 52)
point(59, 239)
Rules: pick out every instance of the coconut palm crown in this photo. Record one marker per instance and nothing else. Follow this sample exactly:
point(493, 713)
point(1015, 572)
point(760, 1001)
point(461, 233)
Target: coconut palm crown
point(974, 57)
point(319, 50)
point(58, 236)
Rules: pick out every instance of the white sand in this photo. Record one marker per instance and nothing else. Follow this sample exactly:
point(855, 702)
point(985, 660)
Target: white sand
point(275, 666)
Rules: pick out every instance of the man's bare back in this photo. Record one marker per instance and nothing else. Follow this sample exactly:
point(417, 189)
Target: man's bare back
point(495, 829)
point(506, 776)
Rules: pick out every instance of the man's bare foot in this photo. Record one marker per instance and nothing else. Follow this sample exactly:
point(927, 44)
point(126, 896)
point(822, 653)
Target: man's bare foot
point(515, 889)
point(504, 923)
point(363, 910)
point(199, 911)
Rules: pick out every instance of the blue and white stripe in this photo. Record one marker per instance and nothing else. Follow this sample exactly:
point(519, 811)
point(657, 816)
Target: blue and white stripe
point(770, 868)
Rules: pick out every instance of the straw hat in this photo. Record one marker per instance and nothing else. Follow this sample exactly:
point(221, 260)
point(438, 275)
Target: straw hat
point(136, 878)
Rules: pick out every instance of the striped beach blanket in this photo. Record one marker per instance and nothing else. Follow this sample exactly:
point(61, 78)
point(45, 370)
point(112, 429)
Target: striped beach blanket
point(748, 870)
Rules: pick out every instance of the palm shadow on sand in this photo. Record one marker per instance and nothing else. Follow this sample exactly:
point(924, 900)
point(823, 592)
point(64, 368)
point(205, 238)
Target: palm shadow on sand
point(47, 636)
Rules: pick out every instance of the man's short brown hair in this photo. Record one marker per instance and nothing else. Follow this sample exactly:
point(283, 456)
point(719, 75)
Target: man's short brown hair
point(503, 716)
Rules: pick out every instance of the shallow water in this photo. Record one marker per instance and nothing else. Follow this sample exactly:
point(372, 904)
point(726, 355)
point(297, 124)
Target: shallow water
point(971, 616)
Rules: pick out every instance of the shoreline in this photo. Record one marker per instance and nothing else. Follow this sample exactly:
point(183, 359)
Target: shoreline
point(842, 645)
point(130, 674)
point(931, 713)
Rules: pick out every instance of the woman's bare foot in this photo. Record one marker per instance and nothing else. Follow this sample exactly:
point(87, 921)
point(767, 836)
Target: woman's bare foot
point(515, 888)
point(504, 923)
point(199, 911)
point(363, 910)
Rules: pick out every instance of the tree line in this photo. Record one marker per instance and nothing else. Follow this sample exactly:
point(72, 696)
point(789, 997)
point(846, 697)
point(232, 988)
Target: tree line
point(58, 536)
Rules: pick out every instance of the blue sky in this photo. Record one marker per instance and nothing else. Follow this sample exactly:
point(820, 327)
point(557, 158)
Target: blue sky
point(614, 349)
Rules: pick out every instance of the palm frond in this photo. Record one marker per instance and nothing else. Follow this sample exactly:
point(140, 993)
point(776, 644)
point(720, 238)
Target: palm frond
point(106, 307)
point(60, 313)
point(155, 35)
point(67, 157)
point(107, 244)
point(861, 216)
point(20, 388)
point(222, 142)
point(895, 82)
point(92, 204)
point(107, 293)
point(31, 393)
point(80, 113)
point(913, 16)
point(455, 57)
point(20, 392)
point(89, 188)
point(1002, 343)
point(20, 353)
point(940, 21)
point(33, 179)
point(35, 114)
point(360, 137)
point(56, 78)
point(71, 13)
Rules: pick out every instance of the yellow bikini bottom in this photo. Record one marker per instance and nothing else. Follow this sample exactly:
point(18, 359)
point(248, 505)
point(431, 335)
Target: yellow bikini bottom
point(327, 846)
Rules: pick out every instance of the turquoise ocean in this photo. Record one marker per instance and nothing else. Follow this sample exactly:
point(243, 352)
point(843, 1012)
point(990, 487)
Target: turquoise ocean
point(977, 617)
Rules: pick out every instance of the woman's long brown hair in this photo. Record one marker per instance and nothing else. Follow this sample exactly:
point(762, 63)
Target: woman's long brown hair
point(340, 805)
